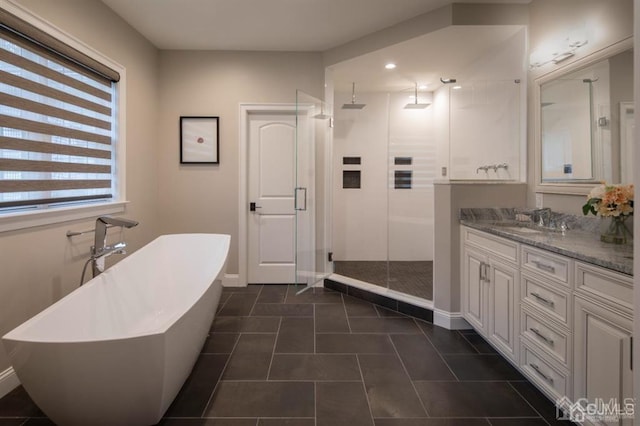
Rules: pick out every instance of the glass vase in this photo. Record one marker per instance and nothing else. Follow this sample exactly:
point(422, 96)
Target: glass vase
point(616, 232)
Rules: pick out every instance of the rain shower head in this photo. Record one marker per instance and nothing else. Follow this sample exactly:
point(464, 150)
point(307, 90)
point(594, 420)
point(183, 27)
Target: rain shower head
point(415, 104)
point(321, 115)
point(353, 104)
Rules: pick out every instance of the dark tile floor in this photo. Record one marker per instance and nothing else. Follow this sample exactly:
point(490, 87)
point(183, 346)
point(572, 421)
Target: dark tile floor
point(274, 358)
point(409, 277)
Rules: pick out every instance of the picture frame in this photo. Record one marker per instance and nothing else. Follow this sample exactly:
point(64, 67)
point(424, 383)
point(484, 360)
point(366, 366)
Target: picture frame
point(199, 140)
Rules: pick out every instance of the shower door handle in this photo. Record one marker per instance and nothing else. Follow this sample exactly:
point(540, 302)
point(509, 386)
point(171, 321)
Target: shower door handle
point(297, 198)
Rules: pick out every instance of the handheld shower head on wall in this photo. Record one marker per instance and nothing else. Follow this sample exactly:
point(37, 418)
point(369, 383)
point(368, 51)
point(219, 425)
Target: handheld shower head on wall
point(353, 104)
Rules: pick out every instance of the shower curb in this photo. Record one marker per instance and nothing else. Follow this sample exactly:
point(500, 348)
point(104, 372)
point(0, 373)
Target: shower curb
point(405, 308)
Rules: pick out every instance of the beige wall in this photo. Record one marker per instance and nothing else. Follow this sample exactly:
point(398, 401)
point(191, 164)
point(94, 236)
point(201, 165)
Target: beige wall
point(40, 265)
point(606, 22)
point(204, 198)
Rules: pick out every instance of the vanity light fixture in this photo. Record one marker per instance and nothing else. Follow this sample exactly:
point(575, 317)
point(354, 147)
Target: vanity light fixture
point(447, 80)
point(390, 66)
point(556, 54)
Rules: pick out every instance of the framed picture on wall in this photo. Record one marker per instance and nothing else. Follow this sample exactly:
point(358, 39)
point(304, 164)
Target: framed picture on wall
point(199, 140)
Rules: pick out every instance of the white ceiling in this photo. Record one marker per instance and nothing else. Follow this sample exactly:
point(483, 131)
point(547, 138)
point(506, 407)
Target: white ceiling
point(423, 60)
point(318, 25)
point(283, 25)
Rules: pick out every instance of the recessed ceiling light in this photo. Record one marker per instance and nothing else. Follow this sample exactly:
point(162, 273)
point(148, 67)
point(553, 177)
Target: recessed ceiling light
point(422, 87)
point(390, 66)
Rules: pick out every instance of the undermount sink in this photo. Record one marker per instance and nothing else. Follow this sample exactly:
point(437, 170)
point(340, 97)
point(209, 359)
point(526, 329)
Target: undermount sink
point(522, 229)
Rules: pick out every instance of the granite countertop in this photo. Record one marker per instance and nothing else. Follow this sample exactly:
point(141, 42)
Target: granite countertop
point(581, 241)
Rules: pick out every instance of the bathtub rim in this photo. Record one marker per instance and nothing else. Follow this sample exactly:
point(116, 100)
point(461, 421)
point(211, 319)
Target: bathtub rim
point(17, 333)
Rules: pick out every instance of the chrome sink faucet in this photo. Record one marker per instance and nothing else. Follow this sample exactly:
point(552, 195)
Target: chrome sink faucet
point(100, 250)
point(542, 214)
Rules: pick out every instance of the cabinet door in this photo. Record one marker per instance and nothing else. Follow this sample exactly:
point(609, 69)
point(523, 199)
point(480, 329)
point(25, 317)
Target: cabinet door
point(602, 356)
point(474, 300)
point(503, 300)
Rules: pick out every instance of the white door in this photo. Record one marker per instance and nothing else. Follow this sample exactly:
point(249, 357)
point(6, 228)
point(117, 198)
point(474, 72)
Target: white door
point(271, 181)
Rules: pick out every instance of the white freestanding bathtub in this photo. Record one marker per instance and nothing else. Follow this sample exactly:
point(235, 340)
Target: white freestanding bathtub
point(117, 350)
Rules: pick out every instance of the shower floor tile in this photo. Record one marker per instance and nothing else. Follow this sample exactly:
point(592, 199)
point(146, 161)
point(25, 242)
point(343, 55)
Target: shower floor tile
point(410, 277)
point(322, 358)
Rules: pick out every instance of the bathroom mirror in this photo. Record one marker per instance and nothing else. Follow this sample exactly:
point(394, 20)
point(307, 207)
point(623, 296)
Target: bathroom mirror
point(584, 122)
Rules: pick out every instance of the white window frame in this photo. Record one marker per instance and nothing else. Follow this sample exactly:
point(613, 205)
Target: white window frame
point(11, 221)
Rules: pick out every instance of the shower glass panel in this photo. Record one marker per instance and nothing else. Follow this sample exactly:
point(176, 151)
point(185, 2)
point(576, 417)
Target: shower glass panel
point(313, 118)
point(411, 170)
point(383, 225)
point(485, 113)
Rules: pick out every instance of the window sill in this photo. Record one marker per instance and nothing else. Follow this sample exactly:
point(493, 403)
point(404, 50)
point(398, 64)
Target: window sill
point(23, 220)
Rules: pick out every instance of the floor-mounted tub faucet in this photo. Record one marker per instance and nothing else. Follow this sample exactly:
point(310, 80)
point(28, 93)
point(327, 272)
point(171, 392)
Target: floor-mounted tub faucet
point(100, 250)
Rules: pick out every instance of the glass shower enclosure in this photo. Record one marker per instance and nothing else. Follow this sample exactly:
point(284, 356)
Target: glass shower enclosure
point(312, 190)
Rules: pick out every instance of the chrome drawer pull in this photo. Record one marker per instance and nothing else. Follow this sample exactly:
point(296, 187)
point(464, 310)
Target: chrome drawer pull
point(543, 300)
point(542, 336)
point(544, 266)
point(544, 376)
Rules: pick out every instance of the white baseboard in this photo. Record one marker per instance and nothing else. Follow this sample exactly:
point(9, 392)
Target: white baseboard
point(231, 280)
point(450, 320)
point(8, 381)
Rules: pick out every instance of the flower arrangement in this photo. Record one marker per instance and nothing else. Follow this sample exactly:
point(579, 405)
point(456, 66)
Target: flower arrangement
point(610, 201)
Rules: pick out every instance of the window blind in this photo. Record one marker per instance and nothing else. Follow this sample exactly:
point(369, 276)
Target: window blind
point(57, 122)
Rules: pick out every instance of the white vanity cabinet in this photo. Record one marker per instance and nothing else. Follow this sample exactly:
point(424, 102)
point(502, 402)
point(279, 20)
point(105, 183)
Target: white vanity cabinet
point(490, 294)
point(566, 324)
point(545, 321)
point(603, 337)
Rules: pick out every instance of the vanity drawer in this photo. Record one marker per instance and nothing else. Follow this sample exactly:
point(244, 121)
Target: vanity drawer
point(552, 339)
point(550, 299)
point(605, 285)
point(557, 268)
point(501, 247)
point(553, 379)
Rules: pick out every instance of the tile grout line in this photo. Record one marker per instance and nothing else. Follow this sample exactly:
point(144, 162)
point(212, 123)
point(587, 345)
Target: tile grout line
point(206, 406)
point(413, 385)
point(438, 352)
point(364, 388)
point(273, 350)
point(255, 302)
point(527, 401)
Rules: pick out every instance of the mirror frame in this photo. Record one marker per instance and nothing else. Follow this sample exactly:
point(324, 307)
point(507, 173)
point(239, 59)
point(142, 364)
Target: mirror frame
point(571, 188)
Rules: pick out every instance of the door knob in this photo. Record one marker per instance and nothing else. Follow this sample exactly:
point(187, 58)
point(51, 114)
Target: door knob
point(253, 207)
